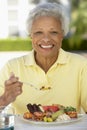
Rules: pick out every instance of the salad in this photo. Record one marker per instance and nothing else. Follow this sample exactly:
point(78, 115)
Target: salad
point(49, 113)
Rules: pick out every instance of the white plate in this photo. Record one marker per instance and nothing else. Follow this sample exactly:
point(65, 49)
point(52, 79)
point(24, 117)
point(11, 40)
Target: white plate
point(80, 117)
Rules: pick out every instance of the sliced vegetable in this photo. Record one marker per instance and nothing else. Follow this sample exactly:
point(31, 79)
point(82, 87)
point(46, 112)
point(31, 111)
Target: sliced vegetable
point(56, 114)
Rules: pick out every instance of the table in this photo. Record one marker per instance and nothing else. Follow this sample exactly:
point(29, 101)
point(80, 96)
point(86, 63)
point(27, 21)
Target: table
point(79, 125)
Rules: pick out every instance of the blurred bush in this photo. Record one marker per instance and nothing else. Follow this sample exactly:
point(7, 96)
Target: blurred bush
point(78, 31)
point(16, 44)
point(74, 43)
point(79, 19)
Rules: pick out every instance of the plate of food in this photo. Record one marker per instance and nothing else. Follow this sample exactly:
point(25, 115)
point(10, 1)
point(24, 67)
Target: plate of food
point(51, 114)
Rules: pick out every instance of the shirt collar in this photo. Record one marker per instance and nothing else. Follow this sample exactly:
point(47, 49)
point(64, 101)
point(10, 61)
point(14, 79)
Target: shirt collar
point(30, 60)
point(62, 57)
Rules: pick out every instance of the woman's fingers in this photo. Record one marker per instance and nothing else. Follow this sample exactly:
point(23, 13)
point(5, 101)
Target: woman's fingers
point(13, 88)
point(12, 75)
point(12, 79)
point(12, 91)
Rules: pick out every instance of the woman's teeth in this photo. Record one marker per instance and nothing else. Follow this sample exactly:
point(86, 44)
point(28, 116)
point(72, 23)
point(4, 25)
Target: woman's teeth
point(48, 46)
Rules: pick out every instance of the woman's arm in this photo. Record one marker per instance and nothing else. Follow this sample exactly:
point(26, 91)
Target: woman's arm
point(2, 101)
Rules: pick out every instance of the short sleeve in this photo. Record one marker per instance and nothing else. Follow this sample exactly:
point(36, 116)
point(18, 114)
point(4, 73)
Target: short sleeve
point(83, 85)
point(4, 75)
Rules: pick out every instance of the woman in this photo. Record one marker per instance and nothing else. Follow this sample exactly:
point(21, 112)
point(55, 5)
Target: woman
point(59, 77)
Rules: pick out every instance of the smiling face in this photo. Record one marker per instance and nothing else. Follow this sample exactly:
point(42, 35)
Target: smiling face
point(47, 36)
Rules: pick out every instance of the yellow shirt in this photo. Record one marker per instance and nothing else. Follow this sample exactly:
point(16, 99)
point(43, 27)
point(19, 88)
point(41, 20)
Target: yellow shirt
point(67, 79)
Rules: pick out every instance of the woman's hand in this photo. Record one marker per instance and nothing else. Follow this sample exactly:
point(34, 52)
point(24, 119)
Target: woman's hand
point(13, 88)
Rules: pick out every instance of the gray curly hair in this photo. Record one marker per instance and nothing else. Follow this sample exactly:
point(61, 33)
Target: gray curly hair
point(49, 9)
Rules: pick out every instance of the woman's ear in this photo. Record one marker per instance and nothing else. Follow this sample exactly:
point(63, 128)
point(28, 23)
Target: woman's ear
point(63, 33)
point(62, 36)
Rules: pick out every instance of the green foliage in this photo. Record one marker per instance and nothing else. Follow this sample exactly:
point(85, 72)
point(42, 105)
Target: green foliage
point(74, 43)
point(79, 18)
point(16, 44)
point(78, 40)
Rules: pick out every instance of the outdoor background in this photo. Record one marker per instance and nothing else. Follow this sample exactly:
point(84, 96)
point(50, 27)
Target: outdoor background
point(14, 40)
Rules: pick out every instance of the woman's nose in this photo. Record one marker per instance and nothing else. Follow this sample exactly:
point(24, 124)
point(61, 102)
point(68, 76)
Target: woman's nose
point(46, 38)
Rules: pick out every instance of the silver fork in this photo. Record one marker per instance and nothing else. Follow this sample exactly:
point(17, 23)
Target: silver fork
point(31, 85)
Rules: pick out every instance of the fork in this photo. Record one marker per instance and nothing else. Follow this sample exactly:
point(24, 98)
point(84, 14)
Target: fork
point(31, 85)
point(41, 88)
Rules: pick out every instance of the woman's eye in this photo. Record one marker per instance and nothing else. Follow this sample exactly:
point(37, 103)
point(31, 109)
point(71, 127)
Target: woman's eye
point(38, 33)
point(54, 32)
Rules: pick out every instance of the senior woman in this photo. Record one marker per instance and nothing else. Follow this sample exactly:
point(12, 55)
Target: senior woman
point(59, 77)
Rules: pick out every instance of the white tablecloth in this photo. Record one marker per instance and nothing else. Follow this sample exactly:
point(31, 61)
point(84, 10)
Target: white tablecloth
point(24, 125)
